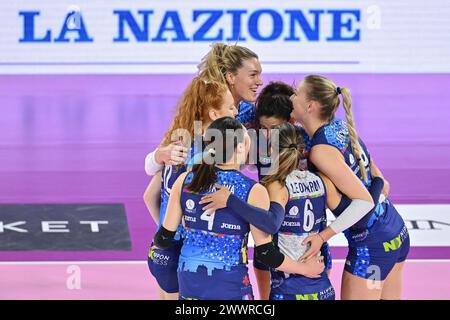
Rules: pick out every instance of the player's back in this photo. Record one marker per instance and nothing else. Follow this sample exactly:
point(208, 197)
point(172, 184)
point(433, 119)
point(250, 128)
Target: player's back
point(213, 258)
point(305, 214)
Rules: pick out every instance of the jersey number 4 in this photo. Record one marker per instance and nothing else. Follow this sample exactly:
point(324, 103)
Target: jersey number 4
point(208, 215)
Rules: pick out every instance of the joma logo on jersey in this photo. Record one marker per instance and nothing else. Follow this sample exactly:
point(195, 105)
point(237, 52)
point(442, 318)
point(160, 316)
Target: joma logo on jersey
point(230, 226)
point(311, 296)
point(191, 219)
point(291, 224)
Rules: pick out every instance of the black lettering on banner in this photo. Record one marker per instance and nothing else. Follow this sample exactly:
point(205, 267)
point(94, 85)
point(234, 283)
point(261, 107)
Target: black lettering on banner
point(431, 224)
point(71, 227)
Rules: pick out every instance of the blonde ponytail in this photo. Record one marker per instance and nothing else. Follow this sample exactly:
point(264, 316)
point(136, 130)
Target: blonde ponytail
point(356, 147)
point(211, 67)
point(324, 91)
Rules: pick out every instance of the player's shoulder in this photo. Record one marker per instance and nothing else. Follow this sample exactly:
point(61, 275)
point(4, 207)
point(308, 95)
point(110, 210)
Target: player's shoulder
point(235, 177)
point(258, 196)
point(183, 177)
point(247, 114)
point(334, 133)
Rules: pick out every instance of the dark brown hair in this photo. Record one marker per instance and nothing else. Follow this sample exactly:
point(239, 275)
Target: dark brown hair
point(227, 133)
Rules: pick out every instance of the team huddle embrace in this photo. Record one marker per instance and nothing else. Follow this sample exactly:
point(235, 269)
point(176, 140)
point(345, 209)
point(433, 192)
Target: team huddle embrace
point(307, 161)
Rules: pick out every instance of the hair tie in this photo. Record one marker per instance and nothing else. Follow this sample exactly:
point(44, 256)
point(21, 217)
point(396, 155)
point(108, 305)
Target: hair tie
point(338, 91)
point(292, 145)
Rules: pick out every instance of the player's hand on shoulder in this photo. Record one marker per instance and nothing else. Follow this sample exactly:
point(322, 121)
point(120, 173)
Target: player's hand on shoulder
point(172, 154)
point(217, 200)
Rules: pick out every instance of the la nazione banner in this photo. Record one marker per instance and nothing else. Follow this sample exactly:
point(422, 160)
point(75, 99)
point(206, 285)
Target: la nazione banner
point(171, 36)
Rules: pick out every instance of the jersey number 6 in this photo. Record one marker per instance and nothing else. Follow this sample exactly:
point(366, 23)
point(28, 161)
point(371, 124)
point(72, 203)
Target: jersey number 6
point(308, 216)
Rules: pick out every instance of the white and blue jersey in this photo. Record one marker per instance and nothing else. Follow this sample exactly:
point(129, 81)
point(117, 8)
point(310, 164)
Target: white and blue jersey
point(213, 260)
point(305, 215)
point(169, 175)
point(375, 240)
point(264, 162)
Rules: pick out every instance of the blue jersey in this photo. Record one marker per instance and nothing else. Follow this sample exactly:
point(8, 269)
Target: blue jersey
point(305, 214)
point(213, 257)
point(169, 175)
point(335, 134)
point(263, 164)
point(246, 114)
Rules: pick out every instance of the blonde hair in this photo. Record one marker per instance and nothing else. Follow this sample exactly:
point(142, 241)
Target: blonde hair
point(198, 98)
point(325, 91)
point(223, 58)
point(291, 151)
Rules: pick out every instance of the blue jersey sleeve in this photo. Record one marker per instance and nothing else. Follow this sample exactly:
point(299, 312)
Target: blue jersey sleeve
point(247, 114)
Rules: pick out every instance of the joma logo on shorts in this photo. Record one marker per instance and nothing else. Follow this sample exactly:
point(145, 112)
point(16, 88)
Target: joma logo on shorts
point(394, 244)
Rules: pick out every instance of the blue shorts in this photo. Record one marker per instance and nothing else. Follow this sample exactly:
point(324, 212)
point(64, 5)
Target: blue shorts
point(325, 252)
point(231, 284)
point(301, 288)
point(373, 253)
point(163, 265)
